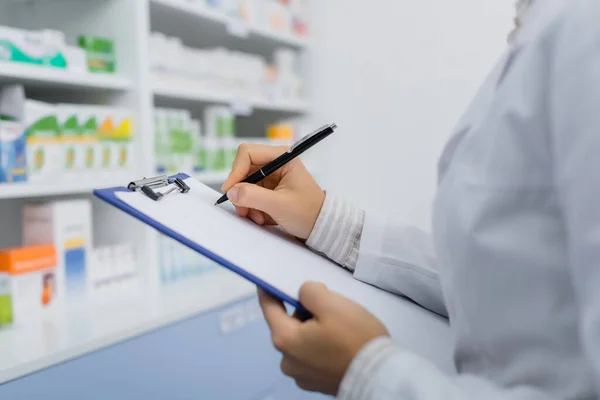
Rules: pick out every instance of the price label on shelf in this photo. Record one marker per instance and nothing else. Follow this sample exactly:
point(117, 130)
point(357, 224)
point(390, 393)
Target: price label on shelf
point(238, 27)
point(241, 107)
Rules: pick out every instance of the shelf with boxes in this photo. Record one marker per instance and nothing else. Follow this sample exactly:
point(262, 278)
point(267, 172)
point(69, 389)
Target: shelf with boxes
point(280, 21)
point(42, 58)
point(97, 324)
point(207, 148)
point(61, 145)
point(219, 75)
point(243, 84)
point(75, 186)
point(240, 105)
point(33, 75)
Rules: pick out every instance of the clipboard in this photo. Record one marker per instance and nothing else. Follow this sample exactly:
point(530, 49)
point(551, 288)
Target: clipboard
point(269, 258)
point(148, 186)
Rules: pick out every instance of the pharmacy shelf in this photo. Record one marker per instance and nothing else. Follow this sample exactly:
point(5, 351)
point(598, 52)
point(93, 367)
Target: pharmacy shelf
point(30, 347)
point(51, 77)
point(239, 105)
point(71, 187)
point(235, 27)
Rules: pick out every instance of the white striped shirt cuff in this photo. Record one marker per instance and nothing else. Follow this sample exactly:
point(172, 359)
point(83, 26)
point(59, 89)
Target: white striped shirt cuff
point(361, 380)
point(337, 232)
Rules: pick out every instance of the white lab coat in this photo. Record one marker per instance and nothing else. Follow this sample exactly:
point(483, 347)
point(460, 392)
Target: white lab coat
point(515, 256)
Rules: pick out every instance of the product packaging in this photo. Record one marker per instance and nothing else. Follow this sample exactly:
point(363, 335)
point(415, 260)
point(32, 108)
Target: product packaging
point(106, 119)
point(76, 60)
point(44, 48)
point(220, 128)
point(122, 141)
point(161, 141)
point(32, 285)
point(89, 140)
point(100, 53)
point(112, 273)
point(6, 308)
point(197, 146)
point(13, 154)
point(44, 157)
point(68, 226)
point(72, 150)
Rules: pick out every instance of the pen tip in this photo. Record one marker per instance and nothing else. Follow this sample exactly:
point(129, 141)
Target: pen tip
point(216, 203)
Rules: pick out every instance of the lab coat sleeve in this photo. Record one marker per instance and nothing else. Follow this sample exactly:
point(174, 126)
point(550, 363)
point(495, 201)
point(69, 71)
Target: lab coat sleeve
point(382, 370)
point(574, 108)
point(400, 259)
point(395, 257)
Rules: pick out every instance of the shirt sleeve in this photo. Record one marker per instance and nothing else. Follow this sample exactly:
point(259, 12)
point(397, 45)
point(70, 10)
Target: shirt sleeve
point(337, 232)
point(388, 254)
point(383, 370)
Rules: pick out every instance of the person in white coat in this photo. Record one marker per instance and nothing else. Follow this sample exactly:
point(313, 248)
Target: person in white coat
point(514, 257)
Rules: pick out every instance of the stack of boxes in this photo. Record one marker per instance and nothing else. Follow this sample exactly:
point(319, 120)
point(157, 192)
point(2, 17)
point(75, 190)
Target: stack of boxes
point(219, 139)
point(57, 265)
point(242, 76)
point(177, 141)
point(181, 145)
point(42, 141)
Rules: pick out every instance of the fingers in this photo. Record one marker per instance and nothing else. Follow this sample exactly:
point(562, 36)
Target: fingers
point(293, 368)
point(284, 329)
point(315, 297)
point(242, 211)
point(257, 216)
point(306, 378)
point(257, 197)
point(249, 155)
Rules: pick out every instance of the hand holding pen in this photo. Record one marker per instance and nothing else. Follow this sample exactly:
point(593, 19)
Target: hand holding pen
point(287, 196)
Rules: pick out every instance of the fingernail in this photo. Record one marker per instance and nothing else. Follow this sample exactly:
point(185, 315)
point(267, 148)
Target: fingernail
point(232, 195)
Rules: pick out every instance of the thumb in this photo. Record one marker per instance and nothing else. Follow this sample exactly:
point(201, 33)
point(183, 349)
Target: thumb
point(315, 297)
point(254, 196)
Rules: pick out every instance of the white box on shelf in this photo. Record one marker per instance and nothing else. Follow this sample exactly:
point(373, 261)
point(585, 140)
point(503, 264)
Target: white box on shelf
point(68, 226)
point(76, 60)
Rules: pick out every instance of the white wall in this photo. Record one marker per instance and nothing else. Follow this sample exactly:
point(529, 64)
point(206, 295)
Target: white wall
point(395, 75)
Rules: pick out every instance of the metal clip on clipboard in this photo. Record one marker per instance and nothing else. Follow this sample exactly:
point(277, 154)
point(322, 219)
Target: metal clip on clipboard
point(147, 186)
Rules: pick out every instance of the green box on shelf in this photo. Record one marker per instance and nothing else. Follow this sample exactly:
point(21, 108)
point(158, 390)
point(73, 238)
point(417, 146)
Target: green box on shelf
point(6, 310)
point(100, 53)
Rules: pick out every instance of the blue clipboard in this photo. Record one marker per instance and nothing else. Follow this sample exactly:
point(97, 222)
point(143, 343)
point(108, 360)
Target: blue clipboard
point(109, 196)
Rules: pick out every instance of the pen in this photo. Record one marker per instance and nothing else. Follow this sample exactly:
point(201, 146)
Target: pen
point(297, 148)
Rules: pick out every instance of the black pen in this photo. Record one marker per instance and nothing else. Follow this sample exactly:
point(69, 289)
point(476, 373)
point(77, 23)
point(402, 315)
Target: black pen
point(297, 148)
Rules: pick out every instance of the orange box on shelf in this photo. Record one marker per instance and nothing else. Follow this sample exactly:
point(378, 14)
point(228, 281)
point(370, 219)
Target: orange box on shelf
point(280, 132)
point(32, 275)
